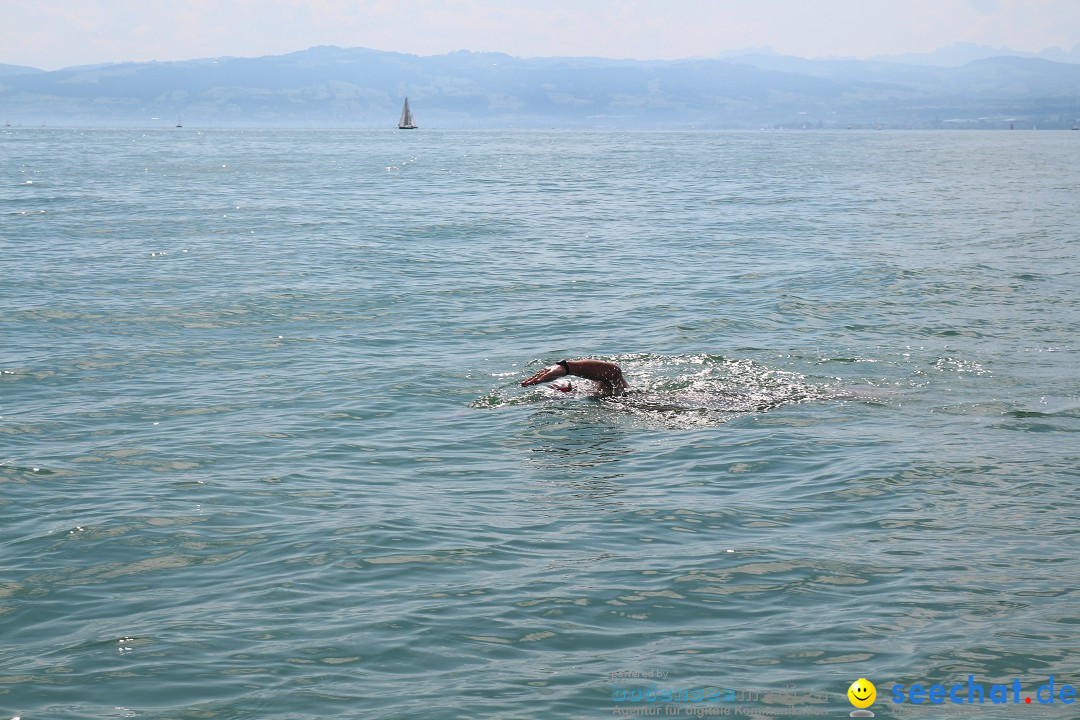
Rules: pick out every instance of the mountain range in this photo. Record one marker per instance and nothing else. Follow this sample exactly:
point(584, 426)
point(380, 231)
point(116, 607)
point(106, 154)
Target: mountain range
point(337, 87)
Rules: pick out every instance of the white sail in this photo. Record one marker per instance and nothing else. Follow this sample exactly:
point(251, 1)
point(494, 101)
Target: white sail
point(406, 121)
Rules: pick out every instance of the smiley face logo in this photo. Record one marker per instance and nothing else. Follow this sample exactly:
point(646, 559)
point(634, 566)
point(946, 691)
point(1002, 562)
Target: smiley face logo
point(862, 693)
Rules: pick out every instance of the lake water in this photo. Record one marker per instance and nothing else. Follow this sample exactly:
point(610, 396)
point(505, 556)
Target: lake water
point(264, 452)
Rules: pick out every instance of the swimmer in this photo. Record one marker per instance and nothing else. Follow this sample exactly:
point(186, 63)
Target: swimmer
point(608, 375)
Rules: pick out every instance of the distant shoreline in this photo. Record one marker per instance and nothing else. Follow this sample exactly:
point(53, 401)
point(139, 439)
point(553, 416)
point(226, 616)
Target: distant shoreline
point(330, 87)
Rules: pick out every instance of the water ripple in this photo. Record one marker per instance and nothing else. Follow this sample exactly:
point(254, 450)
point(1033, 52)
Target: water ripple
point(265, 451)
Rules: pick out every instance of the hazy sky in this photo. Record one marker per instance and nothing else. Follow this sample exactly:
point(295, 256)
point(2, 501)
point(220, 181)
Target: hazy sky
point(50, 34)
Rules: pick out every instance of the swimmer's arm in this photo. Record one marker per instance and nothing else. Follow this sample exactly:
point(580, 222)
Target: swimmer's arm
point(607, 373)
point(551, 372)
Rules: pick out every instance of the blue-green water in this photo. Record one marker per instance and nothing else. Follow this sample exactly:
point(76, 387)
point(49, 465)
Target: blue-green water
point(265, 455)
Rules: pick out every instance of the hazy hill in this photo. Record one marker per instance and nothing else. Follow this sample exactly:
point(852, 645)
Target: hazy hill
point(329, 86)
point(963, 53)
point(6, 70)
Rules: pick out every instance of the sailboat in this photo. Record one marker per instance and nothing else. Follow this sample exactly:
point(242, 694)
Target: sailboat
point(406, 121)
